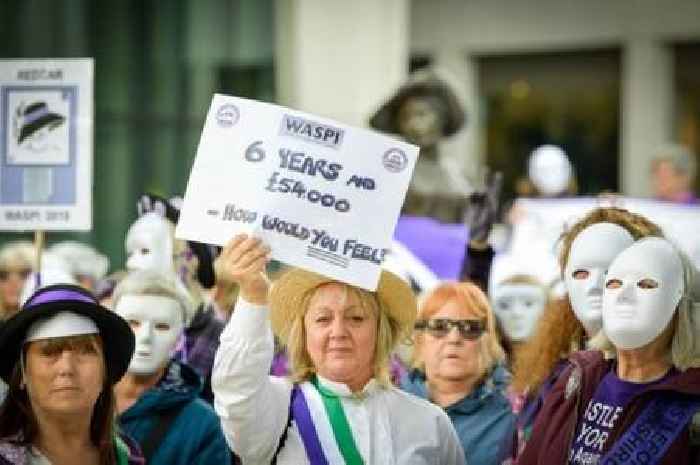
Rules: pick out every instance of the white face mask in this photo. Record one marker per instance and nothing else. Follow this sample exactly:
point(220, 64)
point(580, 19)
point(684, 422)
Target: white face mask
point(518, 307)
point(157, 322)
point(591, 254)
point(644, 287)
point(149, 244)
point(549, 170)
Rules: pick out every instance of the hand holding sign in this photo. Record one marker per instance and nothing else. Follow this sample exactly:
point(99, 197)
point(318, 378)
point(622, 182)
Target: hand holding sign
point(324, 196)
point(243, 261)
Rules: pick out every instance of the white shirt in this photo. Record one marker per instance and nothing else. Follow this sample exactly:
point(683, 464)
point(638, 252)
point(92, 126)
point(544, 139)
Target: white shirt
point(390, 427)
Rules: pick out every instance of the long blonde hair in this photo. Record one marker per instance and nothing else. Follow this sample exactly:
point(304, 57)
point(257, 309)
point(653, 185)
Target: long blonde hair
point(388, 335)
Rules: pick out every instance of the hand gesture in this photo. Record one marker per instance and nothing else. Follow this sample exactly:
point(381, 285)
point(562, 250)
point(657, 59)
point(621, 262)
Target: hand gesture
point(482, 209)
point(243, 261)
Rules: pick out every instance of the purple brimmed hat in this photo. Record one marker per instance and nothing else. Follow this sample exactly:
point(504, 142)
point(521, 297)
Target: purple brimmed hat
point(36, 116)
point(47, 302)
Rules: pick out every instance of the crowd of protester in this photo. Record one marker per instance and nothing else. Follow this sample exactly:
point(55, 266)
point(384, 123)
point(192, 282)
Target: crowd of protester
point(190, 354)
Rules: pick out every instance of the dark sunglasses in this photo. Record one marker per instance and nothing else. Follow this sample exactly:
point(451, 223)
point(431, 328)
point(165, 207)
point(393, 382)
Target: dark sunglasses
point(23, 273)
point(440, 327)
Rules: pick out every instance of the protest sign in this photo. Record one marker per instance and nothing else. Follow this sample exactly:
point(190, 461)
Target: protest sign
point(544, 220)
point(324, 196)
point(46, 122)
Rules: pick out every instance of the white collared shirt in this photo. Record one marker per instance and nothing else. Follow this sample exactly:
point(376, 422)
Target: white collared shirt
point(390, 427)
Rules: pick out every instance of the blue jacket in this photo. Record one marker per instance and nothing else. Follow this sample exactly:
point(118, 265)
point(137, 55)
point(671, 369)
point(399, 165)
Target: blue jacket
point(195, 436)
point(483, 420)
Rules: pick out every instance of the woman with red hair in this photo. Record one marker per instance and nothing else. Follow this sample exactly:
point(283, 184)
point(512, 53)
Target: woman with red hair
point(458, 365)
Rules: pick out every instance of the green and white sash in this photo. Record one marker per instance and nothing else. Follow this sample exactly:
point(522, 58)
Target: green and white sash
point(340, 426)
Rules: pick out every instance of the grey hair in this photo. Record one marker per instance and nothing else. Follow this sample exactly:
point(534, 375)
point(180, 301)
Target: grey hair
point(680, 156)
point(154, 283)
point(17, 254)
point(685, 346)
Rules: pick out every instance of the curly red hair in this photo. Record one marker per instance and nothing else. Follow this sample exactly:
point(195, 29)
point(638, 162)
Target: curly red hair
point(559, 332)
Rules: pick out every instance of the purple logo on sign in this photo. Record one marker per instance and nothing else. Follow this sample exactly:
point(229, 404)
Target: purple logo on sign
point(227, 115)
point(395, 160)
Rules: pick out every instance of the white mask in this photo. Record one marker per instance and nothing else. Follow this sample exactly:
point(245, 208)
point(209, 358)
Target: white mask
point(157, 322)
point(644, 287)
point(149, 244)
point(550, 170)
point(589, 258)
point(518, 307)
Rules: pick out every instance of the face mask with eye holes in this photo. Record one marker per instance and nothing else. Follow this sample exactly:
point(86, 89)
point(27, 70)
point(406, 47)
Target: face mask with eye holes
point(591, 253)
point(149, 244)
point(518, 308)
point(643, 288)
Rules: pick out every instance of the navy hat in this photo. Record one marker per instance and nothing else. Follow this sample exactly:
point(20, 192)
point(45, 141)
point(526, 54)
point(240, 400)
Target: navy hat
point(117, 336)
point(36, 116)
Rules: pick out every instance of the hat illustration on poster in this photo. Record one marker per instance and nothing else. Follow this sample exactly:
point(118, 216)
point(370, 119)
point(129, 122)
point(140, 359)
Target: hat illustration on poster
point(37, 116)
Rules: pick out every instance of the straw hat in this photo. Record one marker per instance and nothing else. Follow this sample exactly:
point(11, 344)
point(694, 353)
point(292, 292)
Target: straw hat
point(289, 290)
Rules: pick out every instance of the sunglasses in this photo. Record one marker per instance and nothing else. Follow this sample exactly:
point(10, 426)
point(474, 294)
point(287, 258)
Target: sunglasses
point(22, 273)
point(440, 327)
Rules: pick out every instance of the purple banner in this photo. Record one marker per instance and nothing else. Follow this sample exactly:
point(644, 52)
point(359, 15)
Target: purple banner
point(440, 246)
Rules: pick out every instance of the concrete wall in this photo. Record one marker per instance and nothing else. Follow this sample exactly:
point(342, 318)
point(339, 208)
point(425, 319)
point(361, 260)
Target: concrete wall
point(338, 59)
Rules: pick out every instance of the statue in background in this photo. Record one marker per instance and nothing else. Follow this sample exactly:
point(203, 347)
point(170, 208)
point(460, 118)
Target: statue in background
point(424, 111)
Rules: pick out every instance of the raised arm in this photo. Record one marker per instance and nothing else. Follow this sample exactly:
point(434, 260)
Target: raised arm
point(253, 406)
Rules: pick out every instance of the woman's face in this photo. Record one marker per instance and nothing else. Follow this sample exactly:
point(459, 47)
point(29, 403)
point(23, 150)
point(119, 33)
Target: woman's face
point(450, 357)
point(157, 323)
point(518, 308)
point(644, 286)
point(11, 283)
point(591, 254)
point(341, 336)
point(149, 244)
point(64, 376)
point(419, 122)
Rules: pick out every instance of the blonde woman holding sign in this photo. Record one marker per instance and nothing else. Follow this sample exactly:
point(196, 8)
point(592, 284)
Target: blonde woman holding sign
point(339, 405)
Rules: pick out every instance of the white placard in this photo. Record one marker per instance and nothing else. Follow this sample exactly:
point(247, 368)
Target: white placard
point(323, 195)
point(46, 124)
point(543, 221)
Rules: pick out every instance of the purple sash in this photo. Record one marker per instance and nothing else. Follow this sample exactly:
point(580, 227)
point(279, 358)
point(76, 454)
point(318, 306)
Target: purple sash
point(652, 433)
point(306, 428)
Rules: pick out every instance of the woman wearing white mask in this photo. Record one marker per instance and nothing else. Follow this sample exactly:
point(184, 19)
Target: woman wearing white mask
point(518, 302)
point(638, 406)
point(158, 397)
point(588, 248)
point(151, 245)
point(339, 405)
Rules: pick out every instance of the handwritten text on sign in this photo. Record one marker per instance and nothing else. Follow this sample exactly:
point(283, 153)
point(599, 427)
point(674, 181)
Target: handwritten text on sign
point(323, 195)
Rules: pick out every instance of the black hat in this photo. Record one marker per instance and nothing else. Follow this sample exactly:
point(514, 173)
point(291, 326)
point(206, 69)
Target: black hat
point(36, 116)
point(170, 210)
point(422, 83)
point(117, 336)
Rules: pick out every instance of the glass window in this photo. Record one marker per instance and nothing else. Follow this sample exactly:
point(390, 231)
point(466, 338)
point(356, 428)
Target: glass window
point(687, 101)
point(569, 99)
point(157, 65)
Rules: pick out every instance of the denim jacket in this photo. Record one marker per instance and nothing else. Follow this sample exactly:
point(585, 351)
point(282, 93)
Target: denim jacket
point(483, 419)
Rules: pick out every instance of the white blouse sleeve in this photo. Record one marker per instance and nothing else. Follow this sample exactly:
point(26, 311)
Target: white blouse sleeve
point(252, 405)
